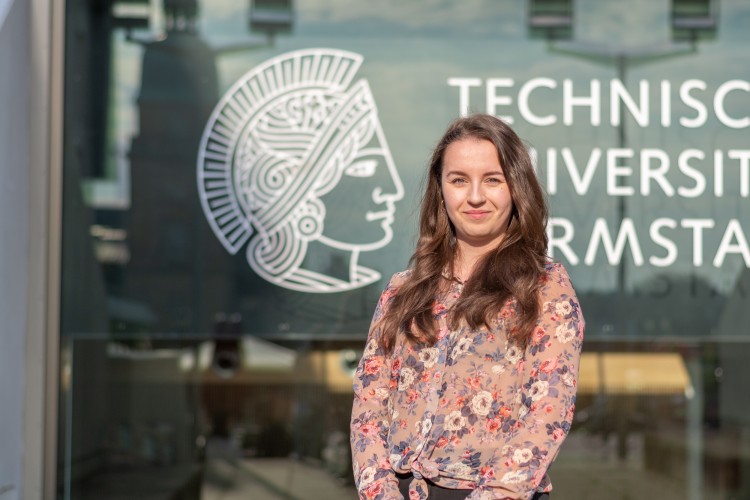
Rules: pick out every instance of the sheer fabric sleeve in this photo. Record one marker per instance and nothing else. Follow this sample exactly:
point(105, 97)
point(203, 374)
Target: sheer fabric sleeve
point(370, 421)
point(546, 397)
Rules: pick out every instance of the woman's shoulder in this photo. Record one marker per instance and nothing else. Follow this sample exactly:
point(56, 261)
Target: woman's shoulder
point(396, 281)
point(399, 278)
point(555, 272)
point(552, 266)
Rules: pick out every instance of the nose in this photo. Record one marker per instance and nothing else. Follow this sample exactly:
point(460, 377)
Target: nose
point(476, 194)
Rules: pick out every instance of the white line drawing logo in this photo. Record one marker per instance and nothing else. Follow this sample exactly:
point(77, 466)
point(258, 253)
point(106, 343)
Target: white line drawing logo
point(293, 162)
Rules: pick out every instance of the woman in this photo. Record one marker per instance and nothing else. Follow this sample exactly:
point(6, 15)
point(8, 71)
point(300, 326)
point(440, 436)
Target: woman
point(466, 388)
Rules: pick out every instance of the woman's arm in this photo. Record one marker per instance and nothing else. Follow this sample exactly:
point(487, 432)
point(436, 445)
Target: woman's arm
point(373, 474)
point(547, 396)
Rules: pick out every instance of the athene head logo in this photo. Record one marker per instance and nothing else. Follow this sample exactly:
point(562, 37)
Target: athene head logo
point(294, 156)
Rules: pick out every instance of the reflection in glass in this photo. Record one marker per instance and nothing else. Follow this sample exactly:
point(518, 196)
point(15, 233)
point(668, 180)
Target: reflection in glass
point(186, 374)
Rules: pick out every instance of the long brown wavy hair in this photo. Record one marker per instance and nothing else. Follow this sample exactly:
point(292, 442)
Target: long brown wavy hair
point(513, 270)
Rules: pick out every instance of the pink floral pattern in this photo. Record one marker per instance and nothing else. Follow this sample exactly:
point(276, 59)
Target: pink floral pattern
point(473, 411)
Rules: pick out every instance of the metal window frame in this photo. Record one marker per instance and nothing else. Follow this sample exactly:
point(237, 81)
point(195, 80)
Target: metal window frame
point(41, 367)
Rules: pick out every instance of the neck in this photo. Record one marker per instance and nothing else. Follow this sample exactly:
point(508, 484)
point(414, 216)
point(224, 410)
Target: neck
point(467, 257)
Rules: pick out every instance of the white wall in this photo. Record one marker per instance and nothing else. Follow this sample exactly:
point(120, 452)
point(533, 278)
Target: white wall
point(14, 187)
point(4, 8)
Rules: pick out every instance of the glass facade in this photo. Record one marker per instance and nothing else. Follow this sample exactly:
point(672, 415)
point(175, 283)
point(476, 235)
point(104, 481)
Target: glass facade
point(241, 179)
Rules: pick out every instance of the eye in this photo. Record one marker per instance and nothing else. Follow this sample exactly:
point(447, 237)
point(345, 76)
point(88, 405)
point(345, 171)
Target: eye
point(364, 168)
point(458, 180)
point(495, 180)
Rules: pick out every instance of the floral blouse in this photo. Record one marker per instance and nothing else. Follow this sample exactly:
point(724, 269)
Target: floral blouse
point(472, 411)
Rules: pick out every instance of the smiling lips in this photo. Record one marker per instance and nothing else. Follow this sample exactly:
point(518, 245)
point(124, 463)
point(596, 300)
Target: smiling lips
point(476, 214)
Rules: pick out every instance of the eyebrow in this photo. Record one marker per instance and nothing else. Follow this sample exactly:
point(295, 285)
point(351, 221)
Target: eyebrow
point(488, 174)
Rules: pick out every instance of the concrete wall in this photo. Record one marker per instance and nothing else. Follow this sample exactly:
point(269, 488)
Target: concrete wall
point(14, 240)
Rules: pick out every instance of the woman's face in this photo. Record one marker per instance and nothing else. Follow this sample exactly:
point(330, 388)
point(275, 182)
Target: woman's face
point(476, 194)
